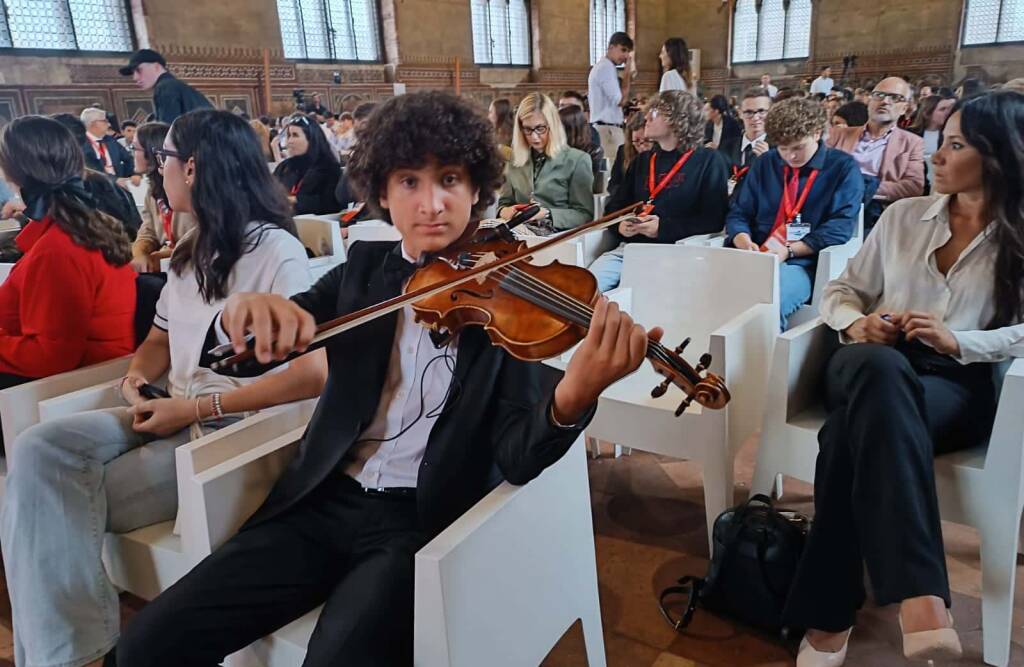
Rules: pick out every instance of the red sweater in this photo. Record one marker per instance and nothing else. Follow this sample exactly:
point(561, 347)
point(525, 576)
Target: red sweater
point(62, 306)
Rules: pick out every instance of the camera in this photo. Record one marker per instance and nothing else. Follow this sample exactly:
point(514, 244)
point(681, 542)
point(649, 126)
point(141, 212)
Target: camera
point(299, 94)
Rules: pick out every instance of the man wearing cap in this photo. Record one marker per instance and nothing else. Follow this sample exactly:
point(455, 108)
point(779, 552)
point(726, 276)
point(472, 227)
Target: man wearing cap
point(172, 97)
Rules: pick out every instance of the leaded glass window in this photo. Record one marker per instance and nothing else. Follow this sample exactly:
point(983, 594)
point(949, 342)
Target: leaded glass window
point(993, 22)
point(607, 17)
point(771, 30)
point(73, 25)
point(329, 29)
point(501, 32)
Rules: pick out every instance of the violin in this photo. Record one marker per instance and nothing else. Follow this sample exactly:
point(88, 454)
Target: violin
point(533, 312)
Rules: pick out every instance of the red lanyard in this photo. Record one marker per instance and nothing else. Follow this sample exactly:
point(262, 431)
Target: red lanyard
point(102, 150)
point(791, 210)
point(655, 190)
point(295, 188)
point(166, 215)
point(738, 174)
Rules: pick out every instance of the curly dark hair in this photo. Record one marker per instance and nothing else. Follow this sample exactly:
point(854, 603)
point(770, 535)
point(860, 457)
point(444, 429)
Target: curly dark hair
point(408, 131)
point(39, 150)
point(793, 119)
point(684, 114)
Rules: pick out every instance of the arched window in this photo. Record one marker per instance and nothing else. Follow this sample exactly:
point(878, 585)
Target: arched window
point(68, 25)
point(607, 17)
point(329, 29)
point(771, 30)
point(993, 22)
point(501, 32)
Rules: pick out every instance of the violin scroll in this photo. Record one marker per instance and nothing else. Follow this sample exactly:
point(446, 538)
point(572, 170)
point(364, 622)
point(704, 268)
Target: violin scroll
point(697, 384)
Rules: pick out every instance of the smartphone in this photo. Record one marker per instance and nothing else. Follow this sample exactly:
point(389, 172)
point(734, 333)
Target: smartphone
point(151, 391)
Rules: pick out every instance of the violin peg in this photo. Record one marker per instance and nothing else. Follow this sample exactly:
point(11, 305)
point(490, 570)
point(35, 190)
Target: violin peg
point(704, 363)
point(682, 346)
point(660, 390)
point(684, 405)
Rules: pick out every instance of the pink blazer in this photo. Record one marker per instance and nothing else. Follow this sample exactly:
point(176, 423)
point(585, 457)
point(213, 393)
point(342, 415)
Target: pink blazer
point(902, 170)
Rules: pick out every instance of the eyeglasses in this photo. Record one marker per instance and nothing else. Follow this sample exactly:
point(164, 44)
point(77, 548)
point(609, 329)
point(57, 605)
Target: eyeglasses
point(538, 131)
point(881, 95)
point(751, 113)
point(163, 153)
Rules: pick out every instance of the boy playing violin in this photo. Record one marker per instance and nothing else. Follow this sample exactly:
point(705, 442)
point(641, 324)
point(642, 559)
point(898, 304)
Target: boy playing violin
point(406, 437)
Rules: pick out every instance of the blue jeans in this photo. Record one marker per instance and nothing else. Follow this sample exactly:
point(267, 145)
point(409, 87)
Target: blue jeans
point(608, 268)
point(795, 285)
point(71, 481)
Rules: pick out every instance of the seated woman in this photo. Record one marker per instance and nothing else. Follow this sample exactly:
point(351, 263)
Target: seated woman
point(546, 170)
point(73, 479)
point(685, 182)
point(931, 302)
point(70, 300)
point(161, 227)
point(797, 199)
point(311, 172)
point(635, 143)
point(721, 126)
point(500, 113)
point(578, 135)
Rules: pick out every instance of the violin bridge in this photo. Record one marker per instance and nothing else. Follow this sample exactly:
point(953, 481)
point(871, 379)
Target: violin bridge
point(485, 259)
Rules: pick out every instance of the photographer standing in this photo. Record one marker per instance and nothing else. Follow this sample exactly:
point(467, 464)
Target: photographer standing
point(172, 97)
point(316, 105)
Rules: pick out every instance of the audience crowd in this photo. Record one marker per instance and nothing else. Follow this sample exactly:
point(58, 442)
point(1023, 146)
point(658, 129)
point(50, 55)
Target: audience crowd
point(927, 176)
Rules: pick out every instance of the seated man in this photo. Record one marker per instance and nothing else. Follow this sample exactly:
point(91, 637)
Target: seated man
point(799, 198)
point(685, 182)
point(889, 157)
point(376, 476)
point(742, 151)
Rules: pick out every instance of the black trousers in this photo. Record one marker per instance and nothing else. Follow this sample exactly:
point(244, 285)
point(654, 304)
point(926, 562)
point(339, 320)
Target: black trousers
point(10, 380)
point(339, 547)
point(890, 411)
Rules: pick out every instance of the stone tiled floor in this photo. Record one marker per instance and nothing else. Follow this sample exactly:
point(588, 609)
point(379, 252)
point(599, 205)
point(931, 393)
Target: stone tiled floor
point(649, 520)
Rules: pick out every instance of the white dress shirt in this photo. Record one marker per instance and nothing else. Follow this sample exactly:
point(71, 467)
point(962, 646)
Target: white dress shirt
point(376, 464)
point(104, 155)
point(822, 85)
point(748, 142)
point(604, 93)
point(773, 91)
point(673, 80)
point(895, 271)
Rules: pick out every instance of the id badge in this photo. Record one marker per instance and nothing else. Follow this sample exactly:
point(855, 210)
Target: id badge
point(797, 230)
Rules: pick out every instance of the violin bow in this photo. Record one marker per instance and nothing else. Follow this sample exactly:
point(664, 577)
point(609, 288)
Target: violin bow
point(357, 318)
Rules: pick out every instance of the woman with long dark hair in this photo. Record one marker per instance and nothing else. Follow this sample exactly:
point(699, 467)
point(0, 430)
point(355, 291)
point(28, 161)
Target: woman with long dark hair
point(311, 172)
point(931, 116)
point(69, 301)
point(675, 63)
point(73, 479)
point(578, 135)
point(722, 127)
point(501, 113)
point(929, 306)
point(161, 226)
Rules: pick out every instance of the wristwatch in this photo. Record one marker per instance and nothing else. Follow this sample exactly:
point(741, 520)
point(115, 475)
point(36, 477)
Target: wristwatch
point(789, 249)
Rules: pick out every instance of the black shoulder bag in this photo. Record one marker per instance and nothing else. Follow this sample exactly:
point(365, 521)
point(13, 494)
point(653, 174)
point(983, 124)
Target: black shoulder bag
point(756, 553)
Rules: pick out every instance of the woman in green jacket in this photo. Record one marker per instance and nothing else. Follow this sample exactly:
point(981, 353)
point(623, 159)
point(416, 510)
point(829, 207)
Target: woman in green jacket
point(546, 170)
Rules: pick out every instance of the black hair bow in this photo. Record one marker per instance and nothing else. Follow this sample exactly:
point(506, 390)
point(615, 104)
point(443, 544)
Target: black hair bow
point(38, 197)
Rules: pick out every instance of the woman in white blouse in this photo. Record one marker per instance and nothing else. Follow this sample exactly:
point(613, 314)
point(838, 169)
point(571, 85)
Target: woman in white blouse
point(675, 60)
point(929, 305)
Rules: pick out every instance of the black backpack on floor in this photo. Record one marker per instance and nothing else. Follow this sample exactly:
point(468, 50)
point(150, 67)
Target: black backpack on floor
point(756, 552)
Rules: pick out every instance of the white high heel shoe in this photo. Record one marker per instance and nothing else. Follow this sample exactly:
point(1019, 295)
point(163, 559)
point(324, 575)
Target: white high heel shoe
point(941, 644)
point(808, 656)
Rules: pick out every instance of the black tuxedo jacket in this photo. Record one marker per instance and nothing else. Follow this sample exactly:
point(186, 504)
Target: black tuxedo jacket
point(495, 425)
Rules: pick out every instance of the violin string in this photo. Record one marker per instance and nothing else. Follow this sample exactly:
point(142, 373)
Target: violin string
point(565, 302)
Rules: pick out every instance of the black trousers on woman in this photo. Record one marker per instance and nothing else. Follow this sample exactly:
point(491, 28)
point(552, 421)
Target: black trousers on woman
point(891, 410)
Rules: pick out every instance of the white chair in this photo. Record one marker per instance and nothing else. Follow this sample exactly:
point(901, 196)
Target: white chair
point(5, 270)
point(727, 302)
point(322, 236)
point(539, 537)
point(599, 202)
point(139, 192)
point(372, 230)
point(148, 560)
point(981, 487)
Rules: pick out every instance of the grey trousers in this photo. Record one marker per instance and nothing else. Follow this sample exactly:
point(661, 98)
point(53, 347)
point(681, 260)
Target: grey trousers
point(69, 482)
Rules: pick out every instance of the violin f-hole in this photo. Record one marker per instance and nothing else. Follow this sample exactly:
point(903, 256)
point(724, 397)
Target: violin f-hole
point(454, 296)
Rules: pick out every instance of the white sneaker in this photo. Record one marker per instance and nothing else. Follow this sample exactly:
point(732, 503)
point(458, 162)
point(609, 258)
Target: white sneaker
point(808, 656)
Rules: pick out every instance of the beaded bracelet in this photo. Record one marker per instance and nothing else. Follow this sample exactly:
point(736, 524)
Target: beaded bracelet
point(218, 408)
